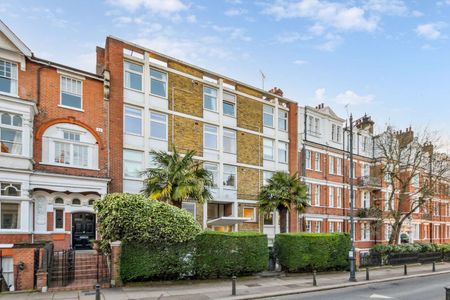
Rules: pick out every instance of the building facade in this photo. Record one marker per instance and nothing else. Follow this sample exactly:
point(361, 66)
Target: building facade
point(53, 158)
point(240, 133)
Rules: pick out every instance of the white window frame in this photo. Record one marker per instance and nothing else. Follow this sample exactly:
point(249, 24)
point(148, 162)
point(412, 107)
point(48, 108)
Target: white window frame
point(126, 70)
point(184, 204)
point(338, 226)
point(308, 164)
point(330, 164)
point(266, 176)
point(317, 195)
point(437, 233)
point(72, 144)
point(157, 79)
point(205, 93)
point(331, 196)
point(308, 226)
point(317, 166)
point(165, 123)
point(265, 147)
point(13, 127)
point(253, 218)
point(339, 166)
point(270, 114)
point(230, 99)
point(135, 161)
point(282, 151)
point(229, 134)
point(213, 168)
point(339, 197)
point(318, 227)
point(234, 187)
point(365, 231)
point(127, 115)
point(365, 199)
point(283, 118)
point(72, 80)
point(9, 185)
point(317, 126)
point(14, 76)
point(54, 219)
point(19, 216)
point(208, 129)
point(330, 227)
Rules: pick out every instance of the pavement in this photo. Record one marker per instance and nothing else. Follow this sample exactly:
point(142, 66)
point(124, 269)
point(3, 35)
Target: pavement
point(253, 287)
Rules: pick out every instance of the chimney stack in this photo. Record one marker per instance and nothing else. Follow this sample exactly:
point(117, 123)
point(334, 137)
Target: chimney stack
point(276, 91)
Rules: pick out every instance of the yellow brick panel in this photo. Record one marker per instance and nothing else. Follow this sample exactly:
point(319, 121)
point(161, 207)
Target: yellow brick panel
point(248, 183)
point(188, 96)
point(247, 148)
point(185, 69)
point(188, 134)
point(249, 113)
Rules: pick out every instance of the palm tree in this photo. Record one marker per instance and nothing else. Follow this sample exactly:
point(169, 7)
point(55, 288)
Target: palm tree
point(177, 178)
point(282, 192)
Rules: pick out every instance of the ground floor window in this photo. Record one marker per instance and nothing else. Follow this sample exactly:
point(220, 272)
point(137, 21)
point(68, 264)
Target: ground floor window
point(9, 217)
point(250, 214)
point(59, 219)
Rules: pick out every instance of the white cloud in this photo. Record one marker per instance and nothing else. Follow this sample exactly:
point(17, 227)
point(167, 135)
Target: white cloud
point(317, 29)
point(431, 31)
point(191, 19)
point(300, 62)
point(350, 97)
point(291, 37)
point(166, 6)
point(332, 41)
point(389, 7)
point(233, 12)
point(233, 32)
point(333, 14)
point(319, 95)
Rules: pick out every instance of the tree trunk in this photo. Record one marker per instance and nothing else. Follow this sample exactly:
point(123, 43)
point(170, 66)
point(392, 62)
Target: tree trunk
point(396, 227)
point(177, 203)
point(283, 218)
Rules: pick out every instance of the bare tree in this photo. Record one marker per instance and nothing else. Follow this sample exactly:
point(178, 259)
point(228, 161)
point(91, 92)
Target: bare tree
point(412, 167)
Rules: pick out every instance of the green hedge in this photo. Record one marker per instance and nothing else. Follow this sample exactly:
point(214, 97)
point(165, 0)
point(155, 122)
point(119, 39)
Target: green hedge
point(140, 262)
point(297, 252)
point(407, 248)
point(221, 254)
point(211, 255)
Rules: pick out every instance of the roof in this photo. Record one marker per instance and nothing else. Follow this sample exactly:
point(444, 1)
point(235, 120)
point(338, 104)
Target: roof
point(15, 40)
point(201, 69)
point(326, 111)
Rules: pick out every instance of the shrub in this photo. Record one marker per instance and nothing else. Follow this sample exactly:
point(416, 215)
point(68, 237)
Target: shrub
point(137, 219)
point(405, 248)
point(220, 254)
point(298, 252)
point(139, 262)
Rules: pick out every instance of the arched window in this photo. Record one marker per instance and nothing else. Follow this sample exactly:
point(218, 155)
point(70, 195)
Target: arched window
point(91, 202)
point(66, 144)
point(76, 202)
point(10, 189)
point(59, 201)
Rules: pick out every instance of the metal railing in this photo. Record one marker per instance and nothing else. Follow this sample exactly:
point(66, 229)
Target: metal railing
point(378, 259)
point(369, 181)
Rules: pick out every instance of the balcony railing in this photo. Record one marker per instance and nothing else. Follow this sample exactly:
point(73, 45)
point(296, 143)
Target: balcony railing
point(369, 181)
point(373, 212)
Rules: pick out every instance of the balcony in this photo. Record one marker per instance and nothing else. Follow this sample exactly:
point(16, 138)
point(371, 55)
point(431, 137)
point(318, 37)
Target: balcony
point(369, 213)
point(369, 182)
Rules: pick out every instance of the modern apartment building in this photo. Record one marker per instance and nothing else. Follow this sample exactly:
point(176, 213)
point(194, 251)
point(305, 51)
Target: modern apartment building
point(241, 134)
point(53, 157)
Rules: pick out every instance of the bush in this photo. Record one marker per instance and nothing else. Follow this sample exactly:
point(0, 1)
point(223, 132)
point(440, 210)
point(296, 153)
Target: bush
point(140, 262)
point(137, 219)
point(220, 254)
point(297, 252)
point(405, 248)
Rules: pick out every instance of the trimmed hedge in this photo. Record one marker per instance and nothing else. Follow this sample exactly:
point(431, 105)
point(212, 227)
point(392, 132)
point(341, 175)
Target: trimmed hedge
point(300, 252)
point(140, 262)
point(220, 254)
point(406, 248)
point(211, 255)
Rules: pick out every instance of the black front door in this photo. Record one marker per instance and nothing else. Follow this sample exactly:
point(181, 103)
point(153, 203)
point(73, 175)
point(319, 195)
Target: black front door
point(83, 230)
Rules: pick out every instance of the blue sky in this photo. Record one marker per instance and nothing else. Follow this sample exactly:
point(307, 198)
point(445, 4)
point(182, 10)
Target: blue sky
point(389, 58)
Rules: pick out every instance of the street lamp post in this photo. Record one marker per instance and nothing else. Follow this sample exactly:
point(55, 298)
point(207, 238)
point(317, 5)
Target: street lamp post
point(351, 254)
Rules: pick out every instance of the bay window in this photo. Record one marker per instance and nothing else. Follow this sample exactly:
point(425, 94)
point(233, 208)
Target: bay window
point(229, 176)
point(210, 137)
point(133, 76)
point(71, 93)
point(133, 120)
point(210, 98)
point(8, 77)
point(158, 83)
point(10, 133)
point(9, 216)
point(158, 126)
point(229, 141)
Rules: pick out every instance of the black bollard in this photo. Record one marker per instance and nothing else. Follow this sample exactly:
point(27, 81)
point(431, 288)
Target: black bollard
point(405, 270)
point(447, 293)
point(314, 278)
point(367, 273)
point(434, 267)
point(233, 286)
point(97, 291)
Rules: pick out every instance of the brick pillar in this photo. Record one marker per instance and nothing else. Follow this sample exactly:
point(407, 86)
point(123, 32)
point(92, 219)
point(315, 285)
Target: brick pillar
point(116, 248)
point(293, 159)
point(357, 260)
point(41, 281)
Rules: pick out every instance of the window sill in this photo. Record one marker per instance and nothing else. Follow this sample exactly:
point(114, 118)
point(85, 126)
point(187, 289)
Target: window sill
point(230, 116)
point(68, 166)
point(269, 127)
point(211, 110)
point(133, 134)
point(133, 178)
point(71, 108)
point(9, 94)
point(14, 155)
point(134, 90)
point(158, 139)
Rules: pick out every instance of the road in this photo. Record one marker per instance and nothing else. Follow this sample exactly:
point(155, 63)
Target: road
point(429, 288)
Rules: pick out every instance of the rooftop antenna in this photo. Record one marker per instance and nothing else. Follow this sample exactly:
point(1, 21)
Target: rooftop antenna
point(346, 109)
point(263, 77)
